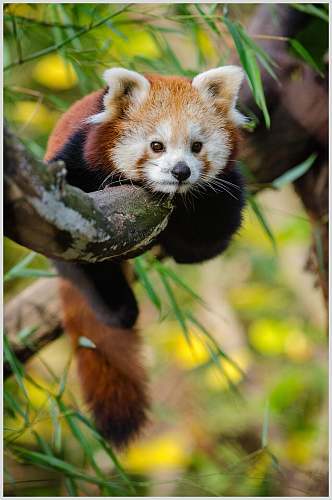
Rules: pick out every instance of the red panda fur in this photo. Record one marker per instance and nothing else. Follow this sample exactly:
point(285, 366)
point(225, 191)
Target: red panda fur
point(113, 380)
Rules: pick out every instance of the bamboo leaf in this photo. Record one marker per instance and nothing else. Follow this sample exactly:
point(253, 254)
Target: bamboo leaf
point(43, 445)
point(312, 10)
point(25, 334)
point(207, 19)
point(175, 306)
point(106, 447)
point(53, 463)
point(16, 367)
point(146, 283)
point(305, 55)
point(71, 487)
point(249, 63)
point(22, 264)
point(261, 218)
point(178, 281)
point(294, 173)
point(217, 348)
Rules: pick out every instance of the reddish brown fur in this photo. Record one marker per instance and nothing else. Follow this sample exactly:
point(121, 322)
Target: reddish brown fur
point(175, 90)
point(113, 380)
point(70, 121)
point(112, 377)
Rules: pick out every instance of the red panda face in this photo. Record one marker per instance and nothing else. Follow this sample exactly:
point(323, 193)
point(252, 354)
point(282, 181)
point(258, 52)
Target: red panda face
point(173, 135)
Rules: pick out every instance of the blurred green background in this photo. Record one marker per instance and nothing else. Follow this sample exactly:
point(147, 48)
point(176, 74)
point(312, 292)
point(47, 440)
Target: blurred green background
point(247, 418)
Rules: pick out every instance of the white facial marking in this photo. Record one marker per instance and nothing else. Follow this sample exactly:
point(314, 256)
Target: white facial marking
point(119, 80)
point(157, 169)
point(196, 119)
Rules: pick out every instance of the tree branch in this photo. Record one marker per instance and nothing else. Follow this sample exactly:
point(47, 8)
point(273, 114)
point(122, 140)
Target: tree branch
point(35, 309)
point(299, 118)
point(60, 221)
point(298, 106)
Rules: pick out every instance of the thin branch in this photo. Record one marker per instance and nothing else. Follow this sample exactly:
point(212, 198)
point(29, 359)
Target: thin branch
point(37, 310)
point(45, 24)
point(271, 37)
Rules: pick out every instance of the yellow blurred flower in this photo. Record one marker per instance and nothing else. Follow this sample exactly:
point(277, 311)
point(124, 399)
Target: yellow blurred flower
point(138, 43)
point(22, 9)
point(220, 378)
point(258, 470)
point(268, 336)
point(273, 337)
point(39, 418)
point(54, 72)
point(36, 395)
point(35, 115)
point(298, 347)
point(253, 234)
point(164, 452)
point(255, 296)
point(187, 355)
point(205, 44)
point(298, 448)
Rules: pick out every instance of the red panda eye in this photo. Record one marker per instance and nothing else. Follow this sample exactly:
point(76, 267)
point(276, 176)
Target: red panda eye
point(196, 147)
point(157, 147)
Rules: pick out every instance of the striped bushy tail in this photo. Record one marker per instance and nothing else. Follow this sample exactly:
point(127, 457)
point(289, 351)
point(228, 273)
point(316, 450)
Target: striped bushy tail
point(113, 380)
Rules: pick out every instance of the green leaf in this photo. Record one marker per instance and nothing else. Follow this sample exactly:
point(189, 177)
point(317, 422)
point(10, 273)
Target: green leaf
point(264, 58)
point(53, 463)
point(261, 218)
point(294, 173)
point(207, 19)
point(71, 487)
point(216, 346)
point(305, 55)
point(106, 447)
point(81, 438)
point(57, 430)
point(30, 273)
point(249, 63)
point(22, 264)
point(311, 9)
point(178, 281)
point(146, 283)
point(13, 404)
point(85, 342)
point(16, 367)
point(25, 334)
point(175, 306)
point(43, 445)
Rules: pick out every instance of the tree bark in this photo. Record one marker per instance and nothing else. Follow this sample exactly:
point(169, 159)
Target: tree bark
point(60, 221)
point(298, 105)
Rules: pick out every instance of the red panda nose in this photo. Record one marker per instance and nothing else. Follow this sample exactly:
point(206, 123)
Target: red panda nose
point(181, 171)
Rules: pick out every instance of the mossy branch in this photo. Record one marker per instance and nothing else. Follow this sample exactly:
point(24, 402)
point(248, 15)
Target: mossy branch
point(45, 214)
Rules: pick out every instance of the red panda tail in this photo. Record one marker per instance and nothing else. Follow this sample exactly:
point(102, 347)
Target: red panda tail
point(113, 379)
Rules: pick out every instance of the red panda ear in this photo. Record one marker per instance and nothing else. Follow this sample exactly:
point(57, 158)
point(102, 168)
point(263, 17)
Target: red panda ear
point(125, 88)
point(221, 86)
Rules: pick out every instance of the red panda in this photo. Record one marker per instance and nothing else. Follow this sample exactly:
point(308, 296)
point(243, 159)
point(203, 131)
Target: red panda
point(169, 135)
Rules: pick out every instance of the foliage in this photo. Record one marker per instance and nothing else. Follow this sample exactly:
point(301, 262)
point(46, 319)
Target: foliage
point(251, 411)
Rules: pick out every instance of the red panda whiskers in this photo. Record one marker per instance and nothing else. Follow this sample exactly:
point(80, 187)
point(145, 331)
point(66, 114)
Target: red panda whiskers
point(106, 139)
